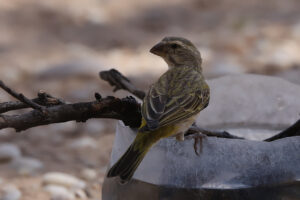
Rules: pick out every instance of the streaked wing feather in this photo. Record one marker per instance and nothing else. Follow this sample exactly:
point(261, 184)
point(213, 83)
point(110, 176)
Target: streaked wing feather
point(191, 105)
point(153, 107)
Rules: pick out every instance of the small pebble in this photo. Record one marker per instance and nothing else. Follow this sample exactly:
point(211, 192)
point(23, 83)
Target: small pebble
point(59, 192)
point(89, 174)
point(84, 142)
point(63, 179)
point(27, 165)
point(80, 194)
point(9, 152)
point(10, 192)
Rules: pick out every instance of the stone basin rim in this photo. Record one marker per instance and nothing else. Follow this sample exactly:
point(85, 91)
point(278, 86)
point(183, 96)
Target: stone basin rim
point(240, 187)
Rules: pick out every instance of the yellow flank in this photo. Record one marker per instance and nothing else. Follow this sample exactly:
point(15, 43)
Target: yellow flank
point(143, 139)
point(144, 123)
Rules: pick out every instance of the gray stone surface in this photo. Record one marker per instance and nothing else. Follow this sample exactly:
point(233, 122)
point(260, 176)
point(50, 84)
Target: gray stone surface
point(223, 163)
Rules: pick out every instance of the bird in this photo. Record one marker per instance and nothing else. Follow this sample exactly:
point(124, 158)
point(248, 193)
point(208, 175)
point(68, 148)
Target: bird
point(171, 104)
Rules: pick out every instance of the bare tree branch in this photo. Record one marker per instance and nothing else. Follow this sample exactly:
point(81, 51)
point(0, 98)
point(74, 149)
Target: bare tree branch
point(116, 79)
point(293, 130)
point(126, 109)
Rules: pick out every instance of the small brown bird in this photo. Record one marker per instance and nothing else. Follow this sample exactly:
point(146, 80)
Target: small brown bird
point(171, 104)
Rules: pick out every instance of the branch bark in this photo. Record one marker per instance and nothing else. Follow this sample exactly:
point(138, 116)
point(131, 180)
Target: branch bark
point(126, 109)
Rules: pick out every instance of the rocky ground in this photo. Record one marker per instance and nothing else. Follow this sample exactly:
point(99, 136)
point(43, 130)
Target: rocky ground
point(60, 46)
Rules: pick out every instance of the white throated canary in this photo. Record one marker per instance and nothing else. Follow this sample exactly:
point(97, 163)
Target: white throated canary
point(171, 104)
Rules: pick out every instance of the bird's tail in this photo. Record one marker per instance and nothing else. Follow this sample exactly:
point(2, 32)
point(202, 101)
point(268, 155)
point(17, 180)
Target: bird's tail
point(128, 163)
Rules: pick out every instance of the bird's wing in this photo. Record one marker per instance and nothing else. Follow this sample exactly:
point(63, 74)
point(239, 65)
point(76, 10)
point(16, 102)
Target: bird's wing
point(183, 107)
point(161, 109)
point(154, 106)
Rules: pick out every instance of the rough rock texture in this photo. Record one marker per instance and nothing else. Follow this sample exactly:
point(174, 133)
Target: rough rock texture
point(223, 163)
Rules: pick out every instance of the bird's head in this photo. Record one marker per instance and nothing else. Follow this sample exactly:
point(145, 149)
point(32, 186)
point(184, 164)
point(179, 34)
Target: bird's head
point(177, 51)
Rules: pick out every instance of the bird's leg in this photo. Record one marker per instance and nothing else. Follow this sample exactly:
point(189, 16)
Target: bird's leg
point(180, 137)
point(194, 133)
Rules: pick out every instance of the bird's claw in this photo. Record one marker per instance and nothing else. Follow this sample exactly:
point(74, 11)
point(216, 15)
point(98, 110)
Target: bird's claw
point(198, 138)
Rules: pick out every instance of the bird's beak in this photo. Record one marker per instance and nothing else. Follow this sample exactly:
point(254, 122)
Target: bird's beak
point(158, 49)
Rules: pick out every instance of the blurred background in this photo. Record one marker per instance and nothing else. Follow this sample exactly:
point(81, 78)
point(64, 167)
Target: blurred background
point(60, 46)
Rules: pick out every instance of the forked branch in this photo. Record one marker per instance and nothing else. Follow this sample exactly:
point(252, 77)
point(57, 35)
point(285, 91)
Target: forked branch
point(48, 110)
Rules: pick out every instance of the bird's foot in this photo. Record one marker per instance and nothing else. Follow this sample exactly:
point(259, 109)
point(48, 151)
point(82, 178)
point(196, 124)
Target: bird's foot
point(198, 138)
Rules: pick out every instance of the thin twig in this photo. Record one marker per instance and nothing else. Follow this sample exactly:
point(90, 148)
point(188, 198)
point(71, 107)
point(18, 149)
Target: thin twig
point(22, 98)
point(48, 100)
point(222, 134)
point(116, 79)
point(293, 130)
point(43, 99)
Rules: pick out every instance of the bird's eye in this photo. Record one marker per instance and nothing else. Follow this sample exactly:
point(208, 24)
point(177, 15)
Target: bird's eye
point(174, 46)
